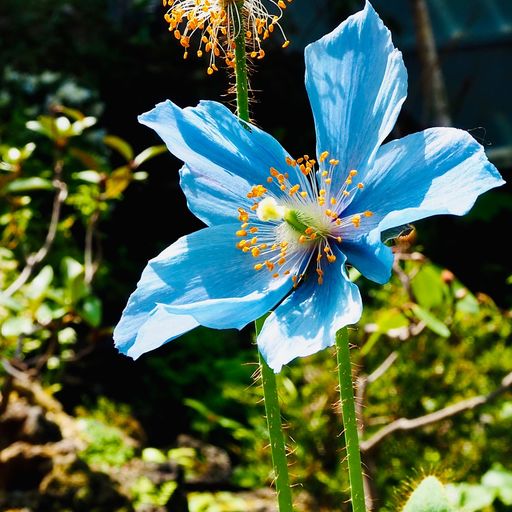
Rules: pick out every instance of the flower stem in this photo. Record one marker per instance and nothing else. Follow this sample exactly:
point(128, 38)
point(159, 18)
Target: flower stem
point(242, 80)
point(275, 432)
point(349, 421)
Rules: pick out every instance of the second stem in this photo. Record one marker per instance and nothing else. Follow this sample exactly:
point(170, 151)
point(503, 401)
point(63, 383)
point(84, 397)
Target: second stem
point(349, 421)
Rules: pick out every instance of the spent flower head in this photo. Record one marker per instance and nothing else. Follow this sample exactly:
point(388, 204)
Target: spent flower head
point(281, 230)
point(217, 23)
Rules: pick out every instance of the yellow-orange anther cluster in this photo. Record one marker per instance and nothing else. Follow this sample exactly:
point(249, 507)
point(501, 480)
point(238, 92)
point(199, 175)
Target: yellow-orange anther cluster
point(217, 24)
point(302, 210)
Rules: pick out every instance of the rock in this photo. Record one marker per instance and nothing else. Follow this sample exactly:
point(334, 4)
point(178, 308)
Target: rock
point(75, 487)
point(24, 422)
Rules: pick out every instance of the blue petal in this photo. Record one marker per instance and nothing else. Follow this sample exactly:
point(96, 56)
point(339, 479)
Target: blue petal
point(438, 171)
point(212, 199)
point(370, 256)
point(205, 277)
point(307, 321)
point(159, 328)
point(151, 290)
point(218, 149)
point(356, 82)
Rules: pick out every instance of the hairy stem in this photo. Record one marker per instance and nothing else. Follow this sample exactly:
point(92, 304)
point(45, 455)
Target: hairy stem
point(349, 421)
point(275, 432)
point(242, 80)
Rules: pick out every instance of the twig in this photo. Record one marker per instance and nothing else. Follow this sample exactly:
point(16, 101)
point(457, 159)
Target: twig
point(434, 417)
point(382, 368)
point(370, 490)
point(90, 265)
point(35, 258)
point(433, 81)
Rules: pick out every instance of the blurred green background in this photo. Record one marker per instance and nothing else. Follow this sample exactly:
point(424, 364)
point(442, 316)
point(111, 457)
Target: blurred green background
point(84, 428)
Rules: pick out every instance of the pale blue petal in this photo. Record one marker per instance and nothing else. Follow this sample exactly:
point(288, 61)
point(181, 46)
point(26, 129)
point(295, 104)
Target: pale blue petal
point(212, 199)
point(307, 321)
point(220, 149)
point(205, 277)
point(370, 256)
point(438, 171)
point(159, 328)
point(151, 289)
point(356, 82)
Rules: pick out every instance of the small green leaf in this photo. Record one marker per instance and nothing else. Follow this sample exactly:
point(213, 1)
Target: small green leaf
point(38, 286)
point(71, 269)
point(429, 496)
point(428, 287)
point(16, 326)
point(70, 112)
point(89, 176)
point(153, 455)
point(67, 336)
point(10, 303)
point(431, 321)
point(73, 272)
point(117, 182)
point(140, 176)
point(120, 145)
point(91, 311)
point(500, 480)
point(22, 185)
point(386, 321)
point(86, 158)
point(470, 497)
point(79, 126)
point(147, 154)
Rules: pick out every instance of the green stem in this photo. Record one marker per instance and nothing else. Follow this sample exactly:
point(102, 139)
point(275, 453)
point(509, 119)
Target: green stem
point(348, 410)
point(268, 378)
point(275, 432)
point(242, 80)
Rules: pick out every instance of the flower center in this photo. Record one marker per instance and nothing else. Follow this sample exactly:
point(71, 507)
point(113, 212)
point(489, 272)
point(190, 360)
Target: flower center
point(298, 227)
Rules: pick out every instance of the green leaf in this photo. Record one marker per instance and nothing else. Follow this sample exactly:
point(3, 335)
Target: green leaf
point(10, 303)
point(89, 176)
point(91, 311)
point(500, 480)
point(71, 269)
point(428, 287)
point(78, 127)
point(153, 455)
point(86, 158)
point(120, 145)
point(67, 336)
point(140, 176)
point(28, 184)
point(431, 321)
point(73, 113)
point(470, 497)
point(17, 326)
point(468, 304)
point(117, 182)
point(386, 321)
point(147, 154)
point(38, 286)
point(73, 272)
point(429, 496)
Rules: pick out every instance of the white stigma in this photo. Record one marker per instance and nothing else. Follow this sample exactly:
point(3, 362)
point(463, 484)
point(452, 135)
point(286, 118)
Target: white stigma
point(268, 209)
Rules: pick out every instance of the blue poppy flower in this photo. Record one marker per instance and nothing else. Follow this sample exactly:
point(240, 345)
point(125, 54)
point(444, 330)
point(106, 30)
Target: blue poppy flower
point(281, 230)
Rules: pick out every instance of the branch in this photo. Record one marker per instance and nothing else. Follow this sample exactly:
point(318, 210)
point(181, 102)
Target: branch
point(35, 258)
point(433, 81)
point(434, 417)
